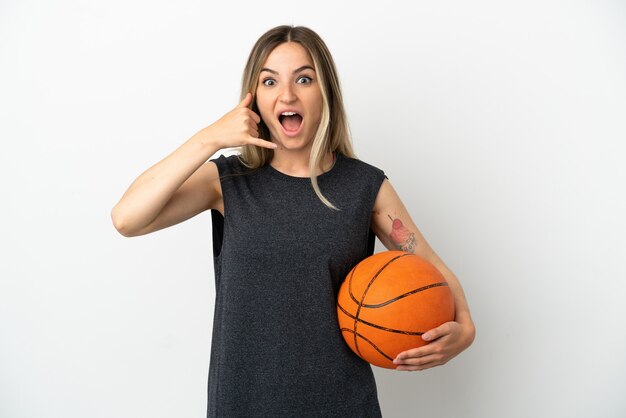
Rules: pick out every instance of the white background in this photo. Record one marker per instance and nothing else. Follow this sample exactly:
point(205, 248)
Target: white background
point(501, 124)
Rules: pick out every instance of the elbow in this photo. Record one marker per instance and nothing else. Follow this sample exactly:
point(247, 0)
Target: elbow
point(470, 334)
point(121, 224)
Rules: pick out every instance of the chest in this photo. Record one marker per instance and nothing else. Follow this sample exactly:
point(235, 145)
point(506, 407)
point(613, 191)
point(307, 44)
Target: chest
point(265, 215)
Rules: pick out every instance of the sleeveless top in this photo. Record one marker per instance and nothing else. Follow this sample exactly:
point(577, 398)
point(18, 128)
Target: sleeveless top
point(280, 256)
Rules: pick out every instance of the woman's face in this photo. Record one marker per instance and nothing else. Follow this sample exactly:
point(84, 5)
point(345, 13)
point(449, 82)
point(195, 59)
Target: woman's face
point(289, 96)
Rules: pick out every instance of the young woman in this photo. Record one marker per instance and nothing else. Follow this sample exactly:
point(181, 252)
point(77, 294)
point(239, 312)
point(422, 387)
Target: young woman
point(292, 214)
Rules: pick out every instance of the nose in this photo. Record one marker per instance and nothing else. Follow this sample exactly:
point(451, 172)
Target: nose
point(287, 95)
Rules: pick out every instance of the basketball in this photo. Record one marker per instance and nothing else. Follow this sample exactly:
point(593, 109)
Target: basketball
point(388, 301)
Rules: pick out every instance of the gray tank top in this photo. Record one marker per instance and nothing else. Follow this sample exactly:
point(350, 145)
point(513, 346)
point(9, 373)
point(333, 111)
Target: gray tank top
point(280, 256)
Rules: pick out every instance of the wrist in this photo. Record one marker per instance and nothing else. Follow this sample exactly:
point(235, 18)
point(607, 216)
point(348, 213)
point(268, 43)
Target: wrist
point(206, 141)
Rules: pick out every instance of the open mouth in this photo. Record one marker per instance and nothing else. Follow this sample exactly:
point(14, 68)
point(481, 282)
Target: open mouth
point(291, 121)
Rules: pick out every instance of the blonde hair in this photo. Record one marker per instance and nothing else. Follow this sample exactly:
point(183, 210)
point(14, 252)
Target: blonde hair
point(333, 134)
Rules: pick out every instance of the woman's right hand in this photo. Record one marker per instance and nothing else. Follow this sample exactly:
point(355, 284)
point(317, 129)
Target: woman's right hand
point(237, 128)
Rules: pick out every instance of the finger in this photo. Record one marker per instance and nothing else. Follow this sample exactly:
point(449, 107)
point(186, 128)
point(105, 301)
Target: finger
point(256, 119)
point(431, 360)
point(414, 357)
point(438, 332)
point(245, 104)
point(417, 360)
point(246, 101)
point(416, 352)
point(262, 143)
point(415, 368)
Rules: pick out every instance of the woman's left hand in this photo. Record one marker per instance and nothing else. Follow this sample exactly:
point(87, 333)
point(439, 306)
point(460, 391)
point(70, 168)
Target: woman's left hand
point(444, 343)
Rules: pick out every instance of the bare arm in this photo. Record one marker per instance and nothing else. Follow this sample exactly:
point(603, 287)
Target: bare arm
point(183, 184)
point(394, 227)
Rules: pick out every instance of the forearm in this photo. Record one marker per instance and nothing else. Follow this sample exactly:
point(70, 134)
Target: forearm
point(461, 305)
point(150, 192)
point(462, 311)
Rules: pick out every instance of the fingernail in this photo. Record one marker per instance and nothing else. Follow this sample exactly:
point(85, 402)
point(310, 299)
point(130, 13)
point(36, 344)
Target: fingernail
point(426, 337)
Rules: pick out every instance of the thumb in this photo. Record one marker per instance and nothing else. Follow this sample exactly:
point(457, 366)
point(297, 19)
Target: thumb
point(246, 101)
point(434, 333)
point(442, 330)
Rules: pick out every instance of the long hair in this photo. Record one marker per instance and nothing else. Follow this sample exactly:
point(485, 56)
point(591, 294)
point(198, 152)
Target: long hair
point(333, 134)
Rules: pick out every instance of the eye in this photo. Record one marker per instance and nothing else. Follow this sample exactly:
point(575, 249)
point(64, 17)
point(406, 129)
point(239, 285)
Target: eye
point(304, 80)
point(269, 82)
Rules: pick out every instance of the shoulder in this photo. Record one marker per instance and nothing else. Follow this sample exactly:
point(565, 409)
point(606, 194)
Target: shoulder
point(362, 169)
point(357, 180)
point(229, 164)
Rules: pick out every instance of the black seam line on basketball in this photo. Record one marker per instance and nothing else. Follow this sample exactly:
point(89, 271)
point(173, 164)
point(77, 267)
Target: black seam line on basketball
point(397, 331)
point(373, 278)
point(356, 344)
point(369, 342)
point(358, 310)
point(421, 289)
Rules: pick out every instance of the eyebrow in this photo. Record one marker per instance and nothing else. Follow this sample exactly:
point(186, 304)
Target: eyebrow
point(297, 70)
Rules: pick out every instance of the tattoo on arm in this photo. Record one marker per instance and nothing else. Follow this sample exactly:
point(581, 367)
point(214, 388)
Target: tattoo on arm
point(401, 236)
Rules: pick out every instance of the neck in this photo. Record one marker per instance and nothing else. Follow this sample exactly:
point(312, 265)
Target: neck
point(296, 162)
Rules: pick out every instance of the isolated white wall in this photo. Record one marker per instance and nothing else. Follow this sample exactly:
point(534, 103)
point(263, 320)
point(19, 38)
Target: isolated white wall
point(501, 124)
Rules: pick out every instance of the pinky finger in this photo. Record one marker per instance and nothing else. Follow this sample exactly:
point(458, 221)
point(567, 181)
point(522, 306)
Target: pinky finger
point(415, 368)
point(263, 143)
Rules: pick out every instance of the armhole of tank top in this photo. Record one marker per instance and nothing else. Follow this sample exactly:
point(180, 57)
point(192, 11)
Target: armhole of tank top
point(217, 219)
point(371, 242)
point(217, 226)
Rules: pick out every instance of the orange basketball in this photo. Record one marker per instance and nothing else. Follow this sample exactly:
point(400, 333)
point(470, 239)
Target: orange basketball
point(388, 301)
